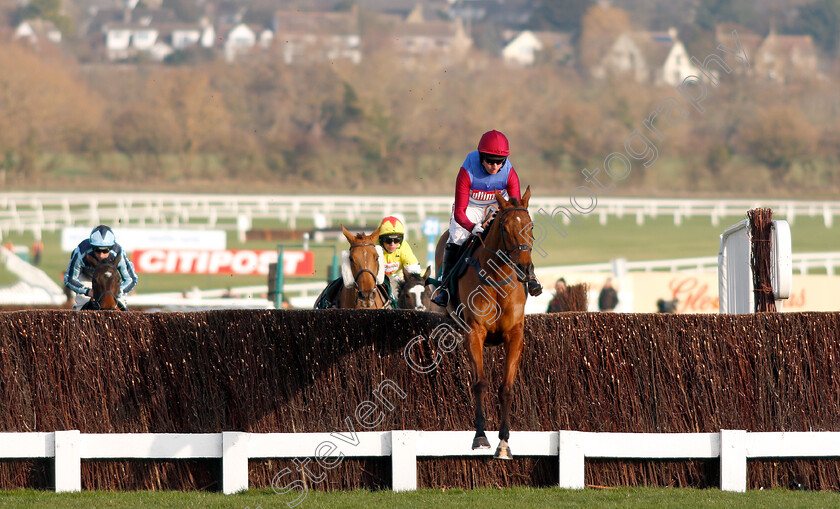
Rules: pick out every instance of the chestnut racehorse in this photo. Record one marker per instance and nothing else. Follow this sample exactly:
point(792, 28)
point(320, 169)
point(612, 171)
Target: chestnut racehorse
point(362, 269)
point(490, 299)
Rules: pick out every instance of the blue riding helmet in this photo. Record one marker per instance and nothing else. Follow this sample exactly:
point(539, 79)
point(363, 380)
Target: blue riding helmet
point(102, 236)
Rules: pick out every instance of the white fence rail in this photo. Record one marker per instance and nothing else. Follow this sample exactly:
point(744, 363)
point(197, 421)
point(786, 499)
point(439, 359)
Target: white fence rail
point(22, 212)
point(803, 263)
point(572, 448)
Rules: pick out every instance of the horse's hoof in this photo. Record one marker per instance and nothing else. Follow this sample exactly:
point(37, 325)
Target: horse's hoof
point(481, 443)
point(503, 453)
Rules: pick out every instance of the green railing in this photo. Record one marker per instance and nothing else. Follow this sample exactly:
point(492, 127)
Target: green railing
point(280, 276)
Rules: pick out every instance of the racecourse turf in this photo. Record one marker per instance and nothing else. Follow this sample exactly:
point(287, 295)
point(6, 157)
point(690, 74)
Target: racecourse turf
point(507, 498)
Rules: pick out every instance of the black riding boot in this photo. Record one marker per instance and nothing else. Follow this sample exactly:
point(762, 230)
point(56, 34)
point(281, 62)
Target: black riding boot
point(450, 255)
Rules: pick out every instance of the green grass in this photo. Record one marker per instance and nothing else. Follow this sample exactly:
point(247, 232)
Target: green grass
point(455, 498)
point(587, 242)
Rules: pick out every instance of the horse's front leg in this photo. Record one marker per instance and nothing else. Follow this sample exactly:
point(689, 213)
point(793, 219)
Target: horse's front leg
point(475, 346)
point(513, 344)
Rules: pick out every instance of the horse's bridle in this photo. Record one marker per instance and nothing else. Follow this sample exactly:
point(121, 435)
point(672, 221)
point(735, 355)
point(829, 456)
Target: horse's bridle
point(520, 247)
point(102, 295)
point(98, 300)
point(361, 271)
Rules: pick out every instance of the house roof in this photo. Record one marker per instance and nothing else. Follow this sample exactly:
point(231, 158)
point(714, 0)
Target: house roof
point(787, 44)
point(131, 26)
point(40, 26)
point(437, 28)
point(403, 8)
point(655, 46)
point(107, 18)
point(223, 32)
point(325, 23)
point(750, 40)
point(165, 30)
point(558, 41)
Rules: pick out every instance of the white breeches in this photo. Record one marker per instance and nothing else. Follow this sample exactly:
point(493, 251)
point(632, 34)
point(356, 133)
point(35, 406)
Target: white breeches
point(476, 214)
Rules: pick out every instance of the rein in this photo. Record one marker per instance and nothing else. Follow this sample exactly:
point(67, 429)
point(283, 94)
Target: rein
point(102, 295)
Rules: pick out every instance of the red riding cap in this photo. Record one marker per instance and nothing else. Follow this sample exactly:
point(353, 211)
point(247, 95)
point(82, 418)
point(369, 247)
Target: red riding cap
point(495, 143)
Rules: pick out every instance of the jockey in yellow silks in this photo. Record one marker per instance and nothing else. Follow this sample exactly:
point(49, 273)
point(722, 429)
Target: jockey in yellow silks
point(398, 254)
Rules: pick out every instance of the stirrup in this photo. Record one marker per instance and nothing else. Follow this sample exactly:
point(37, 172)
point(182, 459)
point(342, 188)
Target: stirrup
point(442, 298)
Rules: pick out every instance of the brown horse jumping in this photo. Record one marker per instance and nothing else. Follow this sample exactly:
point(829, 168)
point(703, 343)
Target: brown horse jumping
point(490, 299)
point(362, 269)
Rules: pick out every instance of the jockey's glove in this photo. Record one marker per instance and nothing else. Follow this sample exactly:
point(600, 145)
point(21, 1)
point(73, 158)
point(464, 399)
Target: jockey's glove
point(477, 229)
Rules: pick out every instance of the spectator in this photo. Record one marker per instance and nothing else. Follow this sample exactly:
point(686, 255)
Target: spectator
point(608, 299)
point(558, 303)
point(37, 251)
point(666, 306)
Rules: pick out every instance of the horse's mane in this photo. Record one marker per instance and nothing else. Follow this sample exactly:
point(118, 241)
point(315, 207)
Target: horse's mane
point(360, 235)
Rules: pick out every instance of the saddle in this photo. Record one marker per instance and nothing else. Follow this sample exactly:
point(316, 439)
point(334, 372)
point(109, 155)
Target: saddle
point(329, 297)
point(464, 259)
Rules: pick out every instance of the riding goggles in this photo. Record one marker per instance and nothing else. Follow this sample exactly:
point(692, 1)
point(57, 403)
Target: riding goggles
point(102, 249)
point(494, 159)
point(391, 239)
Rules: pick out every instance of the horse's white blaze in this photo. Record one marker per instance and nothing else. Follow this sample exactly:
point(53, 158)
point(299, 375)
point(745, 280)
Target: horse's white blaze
point(417, 293)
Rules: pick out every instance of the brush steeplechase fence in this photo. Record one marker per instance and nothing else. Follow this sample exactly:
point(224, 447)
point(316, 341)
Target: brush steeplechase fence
point(572, 448)
point(193, 375)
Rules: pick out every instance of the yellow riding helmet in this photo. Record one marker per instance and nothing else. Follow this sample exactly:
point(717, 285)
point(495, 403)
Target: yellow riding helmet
point(391, 226)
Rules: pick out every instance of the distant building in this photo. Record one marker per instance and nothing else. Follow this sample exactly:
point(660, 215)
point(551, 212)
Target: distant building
point(785, 58)
point(318, 36)
point(421, 42)
point(657, 58)
point(749, 41)
point(126, 40)
point(238, 40)
point(525, 47)
point(512, 14)
point(129, 33)
point(37, 31)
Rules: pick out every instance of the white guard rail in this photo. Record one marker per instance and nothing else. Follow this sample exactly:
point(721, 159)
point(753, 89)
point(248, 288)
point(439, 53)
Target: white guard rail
point(38, 212)
point(802, 263)
point(572, 448)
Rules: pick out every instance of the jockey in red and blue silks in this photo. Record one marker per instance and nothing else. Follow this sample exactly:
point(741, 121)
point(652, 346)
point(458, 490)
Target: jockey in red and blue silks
point(483, 172)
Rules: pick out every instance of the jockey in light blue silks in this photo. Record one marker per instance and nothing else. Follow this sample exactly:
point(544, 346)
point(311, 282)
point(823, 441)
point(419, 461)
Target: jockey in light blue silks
point(101, 246)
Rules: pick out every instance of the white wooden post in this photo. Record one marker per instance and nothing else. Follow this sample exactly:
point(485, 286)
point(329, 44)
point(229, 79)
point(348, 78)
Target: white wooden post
point(404, 460)
point(68, 461)
point(234, 461)
point(733, 460)
point(571, 460)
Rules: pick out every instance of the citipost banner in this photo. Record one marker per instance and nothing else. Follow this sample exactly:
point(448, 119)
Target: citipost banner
point(228, 261)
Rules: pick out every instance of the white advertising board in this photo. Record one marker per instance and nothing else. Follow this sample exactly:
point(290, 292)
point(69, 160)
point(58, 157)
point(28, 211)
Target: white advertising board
point(151, 238)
